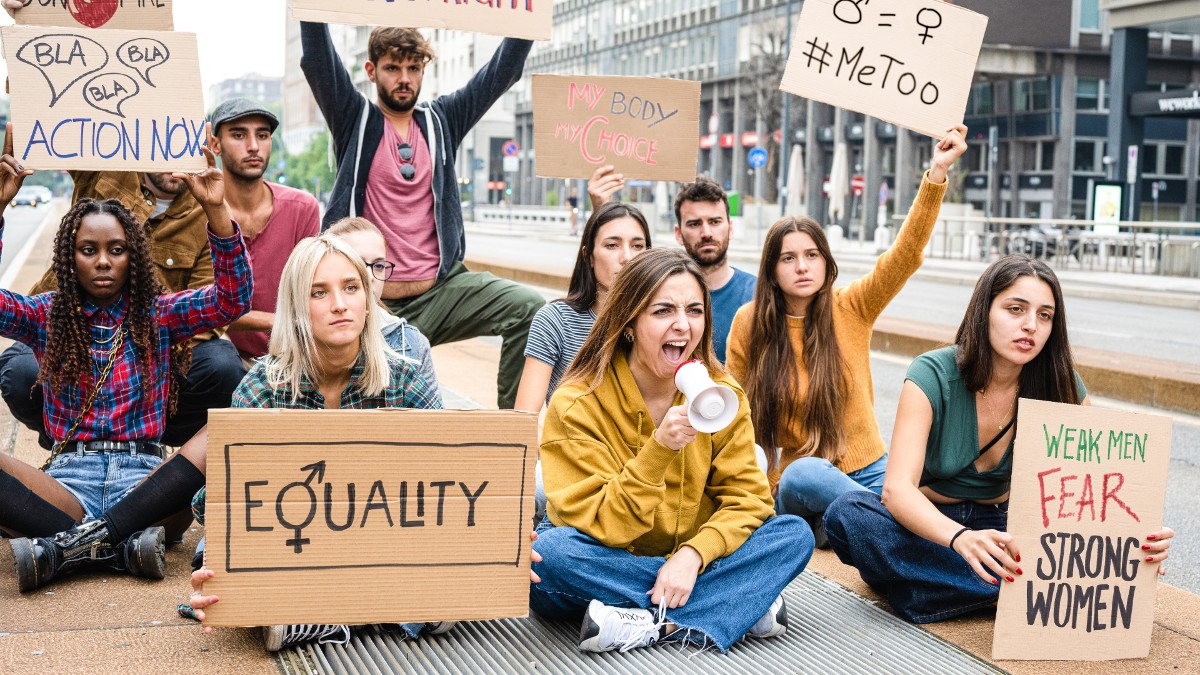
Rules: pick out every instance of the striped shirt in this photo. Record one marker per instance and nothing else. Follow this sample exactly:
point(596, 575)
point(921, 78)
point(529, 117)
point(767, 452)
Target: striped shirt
point(555, 337)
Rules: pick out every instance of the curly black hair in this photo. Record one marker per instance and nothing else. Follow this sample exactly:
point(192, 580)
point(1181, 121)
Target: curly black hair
point(68, 358)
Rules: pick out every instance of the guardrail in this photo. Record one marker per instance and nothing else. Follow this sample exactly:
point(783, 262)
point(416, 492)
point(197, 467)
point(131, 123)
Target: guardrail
point(1160, 248)
point(550, 216)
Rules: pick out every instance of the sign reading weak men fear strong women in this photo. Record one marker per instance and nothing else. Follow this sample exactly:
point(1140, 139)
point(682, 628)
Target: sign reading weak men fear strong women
point(909, 62)
point(1087, 488)
point(426, 514)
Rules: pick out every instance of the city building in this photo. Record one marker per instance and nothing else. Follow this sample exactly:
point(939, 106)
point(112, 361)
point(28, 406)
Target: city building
point(265, 89)
point(301, 118)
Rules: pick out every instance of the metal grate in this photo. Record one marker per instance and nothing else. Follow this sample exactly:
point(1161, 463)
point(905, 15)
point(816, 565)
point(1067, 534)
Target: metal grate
point(831, 630)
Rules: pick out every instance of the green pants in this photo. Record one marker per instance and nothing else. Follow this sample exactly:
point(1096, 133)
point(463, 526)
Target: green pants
point(469, 304)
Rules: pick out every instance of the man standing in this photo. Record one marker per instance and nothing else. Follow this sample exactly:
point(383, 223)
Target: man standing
point(178, 230)
point(703, 227)
point(396, 169)
point(274, 218)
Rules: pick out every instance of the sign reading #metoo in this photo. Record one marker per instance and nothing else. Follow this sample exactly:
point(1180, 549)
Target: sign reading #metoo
point(908, 62)
point(320, 516)
point(132, 14)
point(529, 19)
point(105, 99)
point(1087, 487)
point(643, 126)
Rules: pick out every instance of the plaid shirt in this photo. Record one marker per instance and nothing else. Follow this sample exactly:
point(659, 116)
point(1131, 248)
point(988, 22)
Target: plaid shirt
point(406, 389)
point(131, 406)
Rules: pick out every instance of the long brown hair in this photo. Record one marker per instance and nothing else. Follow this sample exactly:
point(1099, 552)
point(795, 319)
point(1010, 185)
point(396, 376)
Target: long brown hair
point(772, 378)
point(636, 284)
point(68, 358)
point(582, 290)
point(1050, 376)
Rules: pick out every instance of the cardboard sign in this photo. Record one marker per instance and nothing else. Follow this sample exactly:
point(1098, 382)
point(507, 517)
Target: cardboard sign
point(1087, 487)
point(368, 516)
point(909, 62)
point(115, 100)
point(529, 19)
point(126, 14)
point(644, 126)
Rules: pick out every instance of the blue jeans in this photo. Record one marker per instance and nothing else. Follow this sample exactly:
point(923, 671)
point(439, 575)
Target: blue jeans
point(101, 480)
point(923, 581)
point(810, 484)
point(729, 596)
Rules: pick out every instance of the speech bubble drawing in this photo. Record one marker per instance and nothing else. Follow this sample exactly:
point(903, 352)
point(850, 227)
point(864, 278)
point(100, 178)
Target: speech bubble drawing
point(143, 55)
point(63, 59)
point(107, 91)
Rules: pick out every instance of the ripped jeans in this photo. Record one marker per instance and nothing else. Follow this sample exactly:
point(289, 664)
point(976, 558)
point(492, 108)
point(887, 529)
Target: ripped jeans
point(729, 596)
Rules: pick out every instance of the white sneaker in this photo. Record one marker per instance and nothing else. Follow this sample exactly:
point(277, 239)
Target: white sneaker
point(439, 627)
point(606, 628)
point(773, 623)
point(278, 637)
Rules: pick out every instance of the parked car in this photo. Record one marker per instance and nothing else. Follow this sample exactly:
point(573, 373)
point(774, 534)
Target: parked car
point(32, 195)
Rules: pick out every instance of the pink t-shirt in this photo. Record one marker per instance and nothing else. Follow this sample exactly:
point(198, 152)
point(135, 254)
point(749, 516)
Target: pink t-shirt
point(403, 209)
point(295, 216)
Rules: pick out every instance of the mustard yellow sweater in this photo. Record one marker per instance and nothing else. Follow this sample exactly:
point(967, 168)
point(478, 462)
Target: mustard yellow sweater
point(607, 477)
point(855, 308)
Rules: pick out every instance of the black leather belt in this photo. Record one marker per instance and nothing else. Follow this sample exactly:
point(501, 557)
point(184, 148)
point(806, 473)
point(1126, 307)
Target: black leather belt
point(108, 447)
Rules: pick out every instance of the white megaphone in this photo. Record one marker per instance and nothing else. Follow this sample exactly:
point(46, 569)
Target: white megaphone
point(710, 406)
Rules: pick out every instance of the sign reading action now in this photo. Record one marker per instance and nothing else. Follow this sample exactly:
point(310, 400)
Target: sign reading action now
point(319, 516)
point(116, 100)
point(909, 62)
point(1087, 487)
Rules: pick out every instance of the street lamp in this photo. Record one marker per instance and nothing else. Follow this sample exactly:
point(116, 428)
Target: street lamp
point(784, 132)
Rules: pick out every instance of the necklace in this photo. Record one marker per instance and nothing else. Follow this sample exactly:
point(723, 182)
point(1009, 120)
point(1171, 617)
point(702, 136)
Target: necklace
point(1004, 413)
point(115, 330)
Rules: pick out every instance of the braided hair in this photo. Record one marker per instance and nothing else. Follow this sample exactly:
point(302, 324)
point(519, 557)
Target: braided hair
point(68, 358)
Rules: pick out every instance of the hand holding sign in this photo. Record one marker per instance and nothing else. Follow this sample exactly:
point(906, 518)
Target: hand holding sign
point(604, 183)
point(12, 174)
point(208, 187)
point(989, 550)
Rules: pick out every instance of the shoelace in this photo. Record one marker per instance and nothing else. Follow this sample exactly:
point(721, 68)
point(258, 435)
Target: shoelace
point(303, 632)
point(632, 635)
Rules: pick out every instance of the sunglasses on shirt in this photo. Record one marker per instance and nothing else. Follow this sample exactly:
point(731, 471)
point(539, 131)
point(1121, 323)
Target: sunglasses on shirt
point(406, 154)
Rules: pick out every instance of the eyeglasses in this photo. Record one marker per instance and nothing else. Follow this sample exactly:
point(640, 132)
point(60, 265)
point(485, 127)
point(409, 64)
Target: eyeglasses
point(406, 154)
point(382, 269)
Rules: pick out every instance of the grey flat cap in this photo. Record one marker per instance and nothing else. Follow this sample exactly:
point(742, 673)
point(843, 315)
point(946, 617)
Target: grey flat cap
point(237, 108)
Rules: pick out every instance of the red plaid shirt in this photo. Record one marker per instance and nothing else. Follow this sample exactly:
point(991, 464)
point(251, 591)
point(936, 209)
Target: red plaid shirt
point(131, 407)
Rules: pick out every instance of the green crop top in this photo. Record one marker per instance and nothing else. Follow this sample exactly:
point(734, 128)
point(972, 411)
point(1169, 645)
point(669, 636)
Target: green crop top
point(953, 444)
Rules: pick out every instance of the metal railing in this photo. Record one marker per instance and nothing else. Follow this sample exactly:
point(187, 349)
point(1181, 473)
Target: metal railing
point(1160, 248)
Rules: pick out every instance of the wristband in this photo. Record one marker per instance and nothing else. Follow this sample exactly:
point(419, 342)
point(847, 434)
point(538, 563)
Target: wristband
point(956, 535)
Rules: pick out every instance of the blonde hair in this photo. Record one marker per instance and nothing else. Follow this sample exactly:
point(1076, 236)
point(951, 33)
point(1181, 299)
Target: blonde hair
point(293, 349)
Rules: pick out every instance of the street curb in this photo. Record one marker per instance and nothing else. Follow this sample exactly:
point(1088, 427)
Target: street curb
point(1169, 385)
point(55, 214)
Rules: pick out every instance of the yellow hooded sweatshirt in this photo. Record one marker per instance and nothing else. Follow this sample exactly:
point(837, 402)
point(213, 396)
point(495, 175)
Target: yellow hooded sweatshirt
point(607, 477)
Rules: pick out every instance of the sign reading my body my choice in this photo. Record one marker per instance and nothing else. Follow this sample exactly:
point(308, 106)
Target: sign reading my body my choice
point(529, 19)
point(909, 62)
point(1087, 487)
point(117, 100)
point(643, 126)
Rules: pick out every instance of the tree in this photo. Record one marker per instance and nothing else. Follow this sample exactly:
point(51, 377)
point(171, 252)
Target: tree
point(763, 71)
point(310, 169)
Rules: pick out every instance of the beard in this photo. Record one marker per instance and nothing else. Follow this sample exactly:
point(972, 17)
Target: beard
point(708, 259)
point(247, 174)
point(165, 183)
point(385, 97)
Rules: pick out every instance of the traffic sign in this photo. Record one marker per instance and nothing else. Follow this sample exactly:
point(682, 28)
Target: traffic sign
point(511, 148)
point(757, 158)
point(857, 184)
point(883, 194)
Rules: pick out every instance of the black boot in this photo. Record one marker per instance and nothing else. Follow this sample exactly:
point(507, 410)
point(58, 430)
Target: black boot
point(39, 560)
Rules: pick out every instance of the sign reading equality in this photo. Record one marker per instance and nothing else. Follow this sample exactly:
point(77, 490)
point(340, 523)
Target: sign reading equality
point(120, 14)
point(643, 126)
point(529, 19)
point(1087, 487)
point(105, 99)
point(909, 62)
point(320, 516)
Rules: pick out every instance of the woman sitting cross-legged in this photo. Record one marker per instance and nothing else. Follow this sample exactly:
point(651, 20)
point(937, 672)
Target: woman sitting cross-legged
point(654, 530)
point(113, 346)
point(326, 352)
point(936, 544)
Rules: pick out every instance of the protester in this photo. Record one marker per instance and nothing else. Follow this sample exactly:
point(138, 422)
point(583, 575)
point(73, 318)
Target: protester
point(573, 205)
point(802, 351)
point(703, 228)
point(366, 240)
point(327, 352)
point(118, 339)
point(274, 218)
point(639, 502)
point(935, 544)
point(396, 168)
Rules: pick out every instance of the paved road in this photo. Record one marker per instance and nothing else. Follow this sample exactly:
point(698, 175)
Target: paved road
point(1159, 332)
point(19, 223)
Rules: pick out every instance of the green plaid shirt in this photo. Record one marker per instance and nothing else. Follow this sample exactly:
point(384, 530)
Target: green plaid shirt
point(406, 389)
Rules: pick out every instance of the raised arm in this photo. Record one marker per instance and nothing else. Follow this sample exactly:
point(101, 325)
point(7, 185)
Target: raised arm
point(465, 107)
point(331, 86)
